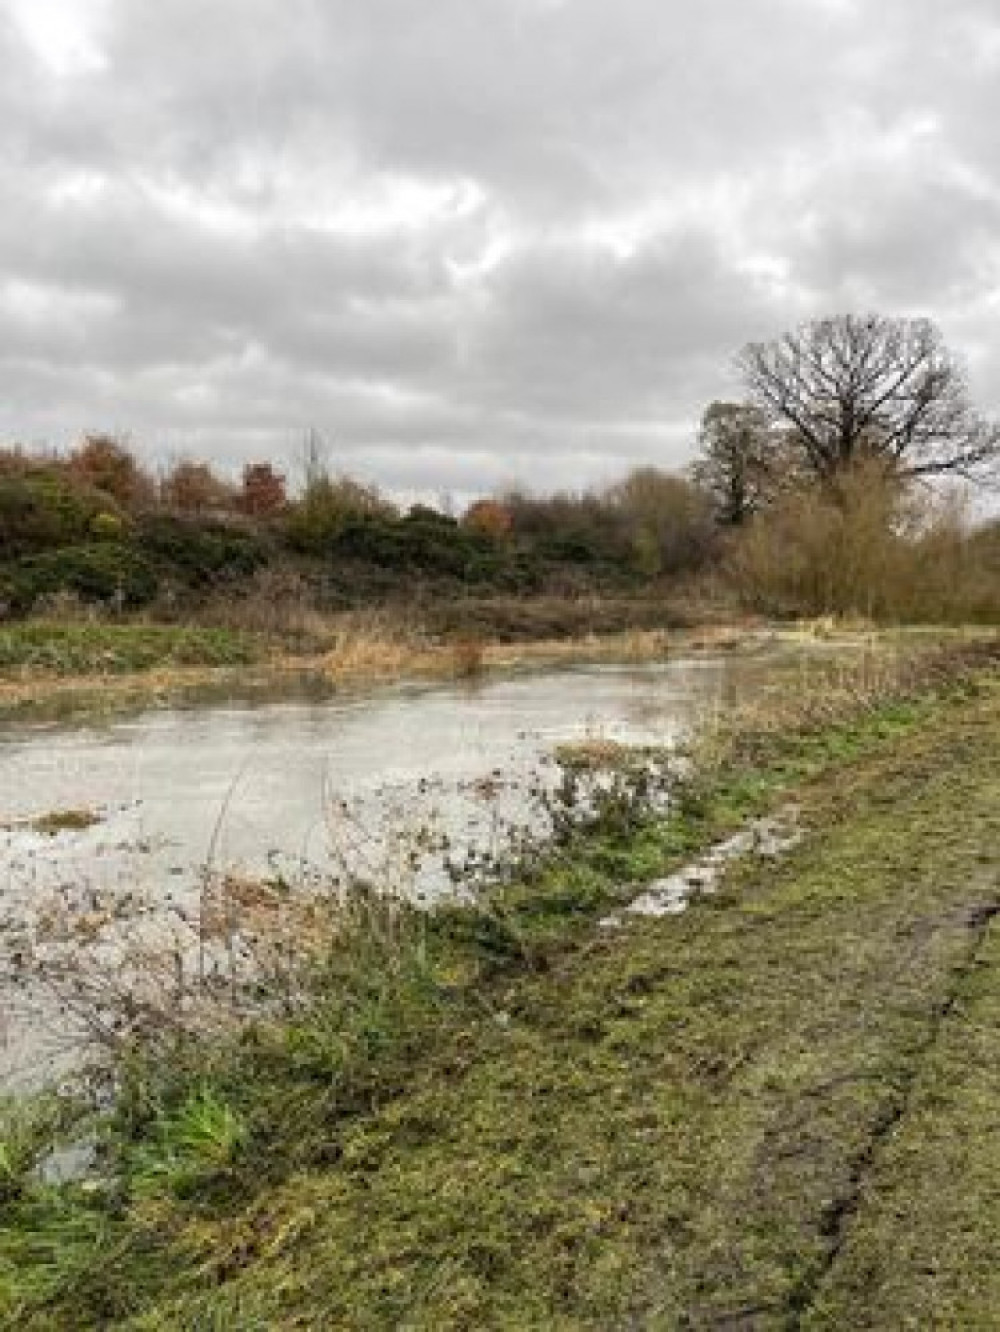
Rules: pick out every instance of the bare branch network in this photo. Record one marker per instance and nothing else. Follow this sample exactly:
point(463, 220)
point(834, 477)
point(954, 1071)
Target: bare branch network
point(852, 387)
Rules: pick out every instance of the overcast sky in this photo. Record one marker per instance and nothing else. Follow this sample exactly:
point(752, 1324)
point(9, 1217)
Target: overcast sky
point(473, 241)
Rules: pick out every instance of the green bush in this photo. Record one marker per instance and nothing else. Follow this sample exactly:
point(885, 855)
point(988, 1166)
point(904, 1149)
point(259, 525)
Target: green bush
point(571, 529)
point(424, 542)
point(327, 506)
point(108, 573)
point(200, 551)
point(106, 526)
point(41, 510)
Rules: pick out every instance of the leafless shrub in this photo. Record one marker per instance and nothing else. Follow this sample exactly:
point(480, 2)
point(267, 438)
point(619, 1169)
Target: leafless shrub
point(870, 546)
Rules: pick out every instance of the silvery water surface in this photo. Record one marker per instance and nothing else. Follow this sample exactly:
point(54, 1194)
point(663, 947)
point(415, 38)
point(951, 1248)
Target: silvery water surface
point(295, 787)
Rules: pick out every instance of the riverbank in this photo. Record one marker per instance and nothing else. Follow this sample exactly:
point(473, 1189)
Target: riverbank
point(52, 670)
point(58, 669)
point(774, 1109)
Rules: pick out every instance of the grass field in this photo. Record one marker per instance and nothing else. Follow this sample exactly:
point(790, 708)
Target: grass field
point(777, 1110)
point(37, 649)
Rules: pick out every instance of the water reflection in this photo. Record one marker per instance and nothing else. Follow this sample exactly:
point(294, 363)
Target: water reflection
point(296, 787)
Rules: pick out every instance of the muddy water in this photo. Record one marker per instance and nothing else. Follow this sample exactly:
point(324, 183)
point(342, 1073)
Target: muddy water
point(305, 788)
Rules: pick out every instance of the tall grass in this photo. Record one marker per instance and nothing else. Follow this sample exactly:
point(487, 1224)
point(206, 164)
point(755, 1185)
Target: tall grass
point(825, 695)
point(868, 547)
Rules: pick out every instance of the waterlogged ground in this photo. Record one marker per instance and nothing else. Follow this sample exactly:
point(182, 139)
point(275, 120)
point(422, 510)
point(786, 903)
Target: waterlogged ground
point(108, 829)
point(775, 1110)
point(258, 787)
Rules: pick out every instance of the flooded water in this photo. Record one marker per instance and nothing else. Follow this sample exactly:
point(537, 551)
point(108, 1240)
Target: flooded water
point(254, 786)
point(299, 788)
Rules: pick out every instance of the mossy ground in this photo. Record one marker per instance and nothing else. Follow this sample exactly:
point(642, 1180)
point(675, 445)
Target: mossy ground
point(776, 1110)
point(36, 649)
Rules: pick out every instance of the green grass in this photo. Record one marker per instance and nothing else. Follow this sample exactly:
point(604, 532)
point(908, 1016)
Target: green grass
point(37, 648)
point(923, 1248)
point(777, 1110)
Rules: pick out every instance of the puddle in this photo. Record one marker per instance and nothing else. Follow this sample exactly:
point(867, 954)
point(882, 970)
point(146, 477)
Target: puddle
point(771, 837)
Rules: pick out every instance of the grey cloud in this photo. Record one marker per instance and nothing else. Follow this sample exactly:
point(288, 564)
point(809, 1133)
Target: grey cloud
point(589, 334)
point(902, 241)
point(477, 242)
point(557, 104)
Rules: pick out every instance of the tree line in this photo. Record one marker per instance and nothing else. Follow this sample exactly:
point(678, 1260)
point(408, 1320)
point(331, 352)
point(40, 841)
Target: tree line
point(845, 423)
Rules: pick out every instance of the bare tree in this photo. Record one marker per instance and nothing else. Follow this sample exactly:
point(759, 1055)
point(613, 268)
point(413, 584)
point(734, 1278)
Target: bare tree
point(734, 461)
point(852, 387)
point(667, 518)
